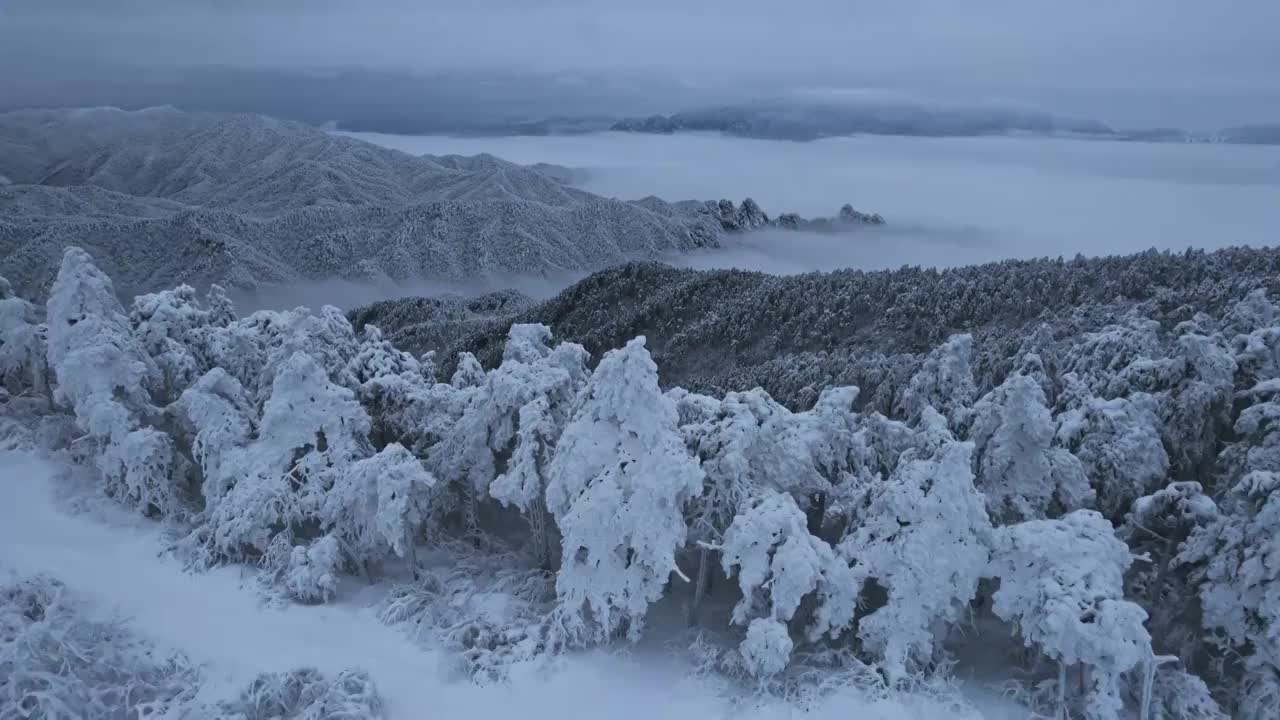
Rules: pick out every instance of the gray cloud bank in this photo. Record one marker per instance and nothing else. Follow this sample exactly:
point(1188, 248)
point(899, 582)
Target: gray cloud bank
point(1188, 62)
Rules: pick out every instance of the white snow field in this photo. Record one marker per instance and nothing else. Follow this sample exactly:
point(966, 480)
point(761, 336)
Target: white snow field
point(49, 526)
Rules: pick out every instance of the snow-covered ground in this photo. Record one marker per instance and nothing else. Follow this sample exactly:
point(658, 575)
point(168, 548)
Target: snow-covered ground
point(49, 526)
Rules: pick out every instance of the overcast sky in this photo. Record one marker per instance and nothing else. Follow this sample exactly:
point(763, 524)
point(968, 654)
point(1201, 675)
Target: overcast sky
point(1197, 63)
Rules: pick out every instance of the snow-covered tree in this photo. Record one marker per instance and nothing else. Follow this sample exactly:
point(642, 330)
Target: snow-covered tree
point(503, 441)
point(379, 504)
point(102, 370)
point(389, 383)
point(253, 348)
point(23, 365)
point(617, 487)
point(325, 336)
point(748, 442)
point(885, 440)
point(778, 563)
point(1189, 383)
point(469, 373)
point(1155, 529)
point(1257, 434)
point(1100, 359)
point(1193, 390)
point(923, 538)
point(1118, 441)
point(220, 421)
point(174, 329)
point(1236, 563)
point(375, 357)
point(753, 442)
point(1253, 312)
point(106, 376)
point(309, 573)
point(1179, 695)
point(1257, 356)
point(1062, 585)
point(1021, 473)
point(693, 409)
point(767, 647)
point(944, 382)
point(310, 433)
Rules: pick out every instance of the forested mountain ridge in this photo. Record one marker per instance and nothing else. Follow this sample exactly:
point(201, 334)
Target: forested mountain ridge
point(723, 330)
point(163, 196)
point(1100, 515)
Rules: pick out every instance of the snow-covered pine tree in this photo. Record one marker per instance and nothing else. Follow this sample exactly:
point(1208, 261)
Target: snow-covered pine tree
point(1062, 584)
point(1019, 470)
point(617, 487)
point(1100, 359)
point(1118, 441)
point(219, 420)
point(778, 563)
point(469, 373)
point(379, 504)
point(389, 383)
point(545, 383)
point(923, 538)
point(107, 378)
point(23, 361)
point(748, 442)
point(1235, 559)
point(1256, 445)
point(253, 348)
point(1196, 402)
point(1155, 530)
point(1253, 312)
point(943, 382)
point(310, 433)
point(502, 442)
point(174, 328)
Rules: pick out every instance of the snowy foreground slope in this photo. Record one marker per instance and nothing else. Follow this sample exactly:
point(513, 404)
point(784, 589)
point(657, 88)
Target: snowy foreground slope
point(162, 196)
point(1091, 533)
point(217, 651)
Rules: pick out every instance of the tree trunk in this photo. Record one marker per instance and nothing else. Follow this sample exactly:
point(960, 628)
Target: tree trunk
point(817, 513)
point(1149, 681)
point(700, 589)
point(471, 516)
point(1062, 690)
point(411, 555)
point(541, 531)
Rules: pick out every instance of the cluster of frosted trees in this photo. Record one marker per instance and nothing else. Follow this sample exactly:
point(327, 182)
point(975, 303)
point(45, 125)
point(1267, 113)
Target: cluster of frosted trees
point(1089, 501)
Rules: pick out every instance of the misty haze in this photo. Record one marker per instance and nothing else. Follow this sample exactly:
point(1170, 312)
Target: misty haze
point(949, 201)
point(662, 360)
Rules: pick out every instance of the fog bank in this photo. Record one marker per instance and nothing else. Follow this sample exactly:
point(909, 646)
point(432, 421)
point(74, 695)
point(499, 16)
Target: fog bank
point(948, 201)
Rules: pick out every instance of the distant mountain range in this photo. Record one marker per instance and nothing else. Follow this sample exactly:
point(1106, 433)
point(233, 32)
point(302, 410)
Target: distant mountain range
point(162, 196)
point(803, 121)
point(800, 120)
point(530, 103)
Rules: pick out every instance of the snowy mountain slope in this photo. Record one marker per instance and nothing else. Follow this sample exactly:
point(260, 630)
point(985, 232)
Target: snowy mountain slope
point(794, 335)
point(185, 197)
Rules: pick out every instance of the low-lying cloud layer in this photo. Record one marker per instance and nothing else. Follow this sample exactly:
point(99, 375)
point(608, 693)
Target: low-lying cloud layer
point(947, 201)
